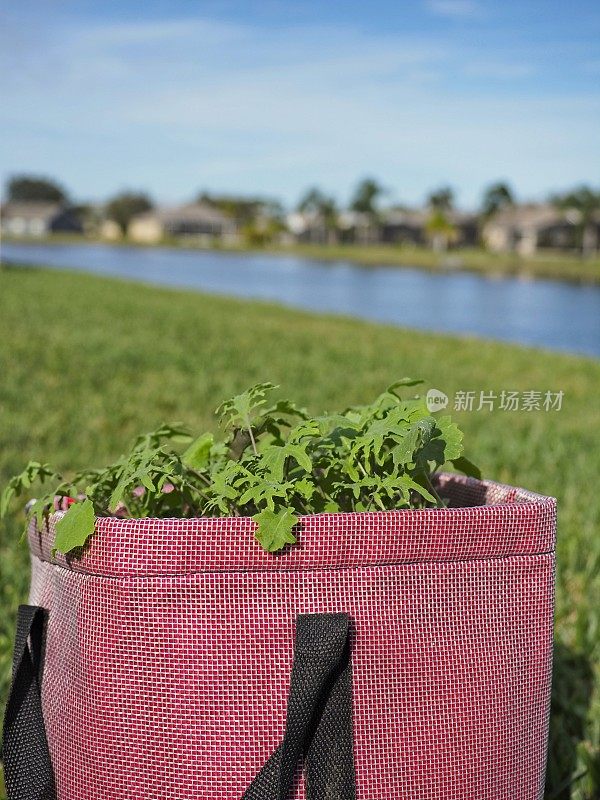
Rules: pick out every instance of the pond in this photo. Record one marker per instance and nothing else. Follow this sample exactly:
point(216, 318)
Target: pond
point(549, 314)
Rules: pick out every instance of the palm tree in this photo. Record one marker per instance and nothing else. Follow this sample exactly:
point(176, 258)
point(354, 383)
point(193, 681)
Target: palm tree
point(364, 202)
point(315, 202)
point(365, 197)
point(585, 203)
point(441, 199)
point(441, 231)
point(497, 196)
point(439, 226)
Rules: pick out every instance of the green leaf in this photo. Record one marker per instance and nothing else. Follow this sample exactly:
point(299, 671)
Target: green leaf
point(221, 482)
point(418, 486)
point(403, 382)
point(74, 529)
point(452, 436)
point(351, 469)
point(263, 491)
point(197, 455)
point(146, 481)
point(116, 497)
point(274, 529)
point(286, 407)
point(305, 488)
point(273, 459)
point(299, 454)
point(7, 496)
point(467, 467)
point(39, 510)
point(34, 471)
point(174, 433)
point(239, 409)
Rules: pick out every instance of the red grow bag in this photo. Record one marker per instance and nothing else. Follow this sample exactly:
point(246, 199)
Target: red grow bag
point(170, 644)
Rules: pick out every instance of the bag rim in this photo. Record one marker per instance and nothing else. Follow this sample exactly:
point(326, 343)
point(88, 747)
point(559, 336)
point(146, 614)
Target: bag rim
point(523, 524)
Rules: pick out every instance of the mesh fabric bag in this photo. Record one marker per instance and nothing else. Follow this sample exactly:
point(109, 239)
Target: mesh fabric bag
point(169, 652)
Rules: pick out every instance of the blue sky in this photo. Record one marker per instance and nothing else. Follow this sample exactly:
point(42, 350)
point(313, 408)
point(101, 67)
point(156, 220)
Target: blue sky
point(269, 97)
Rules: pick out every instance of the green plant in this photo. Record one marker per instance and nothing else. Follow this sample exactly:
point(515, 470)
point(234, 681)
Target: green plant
point(274, 463)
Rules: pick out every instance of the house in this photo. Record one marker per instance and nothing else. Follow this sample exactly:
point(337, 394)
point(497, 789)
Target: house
point(110, 230)
point(308, 227)
point(410, 226)
point(467, 228)
point(357, 227)
point(402, 226)
point(199, 221)
point(528, 228)
point(21, 219)
point(348, 227)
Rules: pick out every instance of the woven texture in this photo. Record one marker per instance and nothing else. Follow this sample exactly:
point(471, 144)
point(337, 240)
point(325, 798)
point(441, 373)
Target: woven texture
point(170, 645)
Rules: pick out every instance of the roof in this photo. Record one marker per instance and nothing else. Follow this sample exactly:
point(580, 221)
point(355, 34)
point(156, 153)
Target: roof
point(300, 221)
point(418, 218)
point(189, 213)
point(354, 219)
point(410, 217)
point(29, 211)
point(538, 215)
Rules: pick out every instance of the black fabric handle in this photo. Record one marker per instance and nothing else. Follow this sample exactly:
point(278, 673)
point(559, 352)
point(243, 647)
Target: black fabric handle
point(318, 726)
point(28, 773)
point(319, 716)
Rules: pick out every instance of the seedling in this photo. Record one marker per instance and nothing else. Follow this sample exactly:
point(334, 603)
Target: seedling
point(273, 463)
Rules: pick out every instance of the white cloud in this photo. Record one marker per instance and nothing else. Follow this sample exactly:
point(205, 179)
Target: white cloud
point(191, 103)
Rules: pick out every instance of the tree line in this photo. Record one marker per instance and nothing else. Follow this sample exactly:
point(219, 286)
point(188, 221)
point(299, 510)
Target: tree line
point(262, 216)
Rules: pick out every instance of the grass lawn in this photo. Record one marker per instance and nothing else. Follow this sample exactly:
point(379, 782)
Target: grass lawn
point(86, 363)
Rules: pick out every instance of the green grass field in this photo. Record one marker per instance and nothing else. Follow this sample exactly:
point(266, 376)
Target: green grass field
point(86, 363)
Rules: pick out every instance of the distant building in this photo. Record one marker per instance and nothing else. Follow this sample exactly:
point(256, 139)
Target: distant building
point(110, 230)
point(409, 226)
point(467, 228)
point(529, 228)
point(196, 220)
point(357, 227)
point(393, 226)
point(308, 227)
point(38, 219)
point(400, 226)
